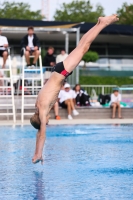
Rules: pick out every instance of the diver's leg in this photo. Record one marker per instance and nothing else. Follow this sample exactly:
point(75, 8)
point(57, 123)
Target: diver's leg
point(71, 62)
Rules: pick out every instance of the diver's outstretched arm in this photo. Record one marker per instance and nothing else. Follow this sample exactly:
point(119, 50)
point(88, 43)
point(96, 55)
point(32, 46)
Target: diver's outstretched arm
point(40, 139)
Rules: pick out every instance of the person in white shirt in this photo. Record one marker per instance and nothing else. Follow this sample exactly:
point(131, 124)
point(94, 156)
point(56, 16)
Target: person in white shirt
point(66, 97)
point(115, 103)
point(31, 44)
point(3, 48)
point(62, 56)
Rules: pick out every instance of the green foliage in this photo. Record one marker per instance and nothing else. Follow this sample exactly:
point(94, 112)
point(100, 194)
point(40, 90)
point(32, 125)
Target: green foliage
point(125, 14)
point(90, 56)
point(80, 11)
point(15, 10)
point(43, 53)
point(91, 80)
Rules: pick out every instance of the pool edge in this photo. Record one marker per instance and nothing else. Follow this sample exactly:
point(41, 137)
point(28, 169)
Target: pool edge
point(73, 122)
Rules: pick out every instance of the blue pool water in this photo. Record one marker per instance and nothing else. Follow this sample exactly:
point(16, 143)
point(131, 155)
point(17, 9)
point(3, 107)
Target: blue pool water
point(82, 162)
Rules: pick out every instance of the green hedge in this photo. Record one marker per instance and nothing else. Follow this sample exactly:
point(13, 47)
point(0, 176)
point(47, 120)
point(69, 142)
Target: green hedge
point(86, 80)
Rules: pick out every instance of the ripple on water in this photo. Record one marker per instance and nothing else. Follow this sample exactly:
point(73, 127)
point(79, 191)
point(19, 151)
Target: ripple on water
point(87, 162)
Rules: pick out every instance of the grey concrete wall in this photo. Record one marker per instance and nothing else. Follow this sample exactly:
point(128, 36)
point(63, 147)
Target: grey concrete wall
point(84, 113)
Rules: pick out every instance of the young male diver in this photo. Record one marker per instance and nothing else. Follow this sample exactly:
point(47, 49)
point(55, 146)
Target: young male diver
point(49, 93)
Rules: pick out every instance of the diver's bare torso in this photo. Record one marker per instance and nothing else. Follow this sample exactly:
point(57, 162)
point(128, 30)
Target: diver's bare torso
point(49, 93)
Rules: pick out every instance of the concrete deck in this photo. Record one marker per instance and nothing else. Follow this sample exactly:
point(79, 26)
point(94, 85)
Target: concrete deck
point(72, 122)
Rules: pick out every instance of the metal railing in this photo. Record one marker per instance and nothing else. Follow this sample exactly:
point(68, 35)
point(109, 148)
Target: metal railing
point(100, 89)
point(37, 76)
point(7, 92)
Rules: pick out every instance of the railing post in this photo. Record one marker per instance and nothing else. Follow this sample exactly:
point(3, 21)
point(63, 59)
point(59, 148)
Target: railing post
point(103, 90)
point(67, 42)
point(77, 41)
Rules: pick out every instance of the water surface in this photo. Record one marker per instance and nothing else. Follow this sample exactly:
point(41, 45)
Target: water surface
point(82, 162)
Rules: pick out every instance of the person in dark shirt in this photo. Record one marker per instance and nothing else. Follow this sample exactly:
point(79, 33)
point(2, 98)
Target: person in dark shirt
point(82, 98)
point(31, 44)
point(49, 59)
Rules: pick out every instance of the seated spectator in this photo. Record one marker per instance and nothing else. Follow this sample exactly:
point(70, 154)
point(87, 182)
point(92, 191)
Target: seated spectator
point(82, 98)
point(66, 97)
point(48, 61)
point(31, 44)
point(49, 58)
point(62, 56)
point(3, 48)
point(115, 103)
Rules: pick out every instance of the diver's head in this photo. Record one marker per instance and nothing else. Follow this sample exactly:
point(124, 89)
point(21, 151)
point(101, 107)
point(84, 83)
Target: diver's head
point(35, 121)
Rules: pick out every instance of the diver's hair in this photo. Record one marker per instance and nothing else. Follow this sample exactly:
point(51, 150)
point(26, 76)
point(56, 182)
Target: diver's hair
point(35, 121)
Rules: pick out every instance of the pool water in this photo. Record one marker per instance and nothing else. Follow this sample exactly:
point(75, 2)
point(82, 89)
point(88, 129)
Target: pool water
point(82, 162)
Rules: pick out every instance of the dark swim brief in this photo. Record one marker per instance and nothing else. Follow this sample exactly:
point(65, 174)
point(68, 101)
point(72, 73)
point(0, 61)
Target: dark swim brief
point(59, 68)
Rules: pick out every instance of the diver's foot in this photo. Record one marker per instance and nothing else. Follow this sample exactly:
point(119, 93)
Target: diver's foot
point(36, 160)
point(108, 20)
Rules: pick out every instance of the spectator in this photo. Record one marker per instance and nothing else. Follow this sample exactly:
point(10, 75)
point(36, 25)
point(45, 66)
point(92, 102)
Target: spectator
point(3, 48)
point(66, 97)
point(31, 44)
point(49, 58)
point(62, 56)
point(115, 103)
point(82, 98)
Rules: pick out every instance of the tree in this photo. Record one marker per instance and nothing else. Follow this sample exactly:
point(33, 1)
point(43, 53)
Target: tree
point(21, 10)
point(125, 14)
point(78, 11)
point(90, 56)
